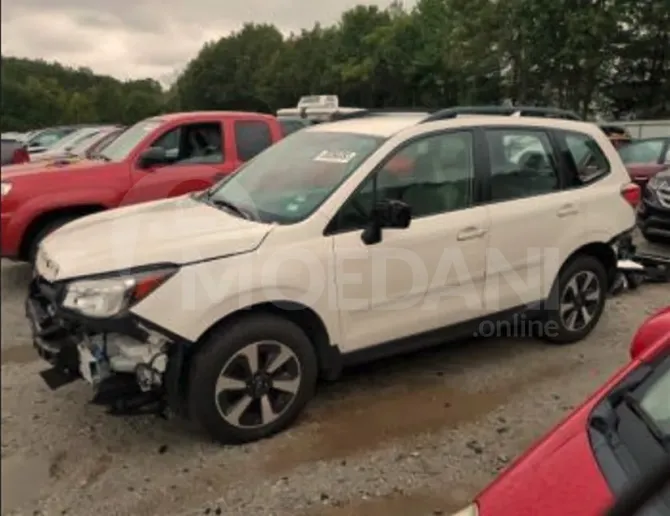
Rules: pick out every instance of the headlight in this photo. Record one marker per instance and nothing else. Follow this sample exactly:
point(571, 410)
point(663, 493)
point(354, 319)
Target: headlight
point(108, 297)
point(470, 510)
point(654, 183)
point(5, 188)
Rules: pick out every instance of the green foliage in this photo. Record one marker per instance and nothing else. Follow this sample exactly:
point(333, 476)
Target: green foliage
point(38, 94)
point(605, 56)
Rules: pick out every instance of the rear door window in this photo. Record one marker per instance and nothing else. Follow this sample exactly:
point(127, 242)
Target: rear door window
point(251, 138)
point(522, 163)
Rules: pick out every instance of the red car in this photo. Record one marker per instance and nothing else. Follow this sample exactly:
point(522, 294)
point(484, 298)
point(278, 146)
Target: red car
point(615, 438)
point(645, 158)
point(164, 156)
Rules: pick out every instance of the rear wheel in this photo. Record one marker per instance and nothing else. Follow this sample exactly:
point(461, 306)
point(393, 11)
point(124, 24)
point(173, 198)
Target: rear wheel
point(577, 300)
point(44, 231)
point(252, 379)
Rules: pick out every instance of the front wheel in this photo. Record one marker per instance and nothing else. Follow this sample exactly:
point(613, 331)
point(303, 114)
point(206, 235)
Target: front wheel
point(252, 379)
point(577, 301)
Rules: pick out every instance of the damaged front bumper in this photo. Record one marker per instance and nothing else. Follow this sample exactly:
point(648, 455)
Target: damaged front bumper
point(119, 350)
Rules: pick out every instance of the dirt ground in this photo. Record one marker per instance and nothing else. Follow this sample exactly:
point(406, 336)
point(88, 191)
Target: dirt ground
point(419, 434)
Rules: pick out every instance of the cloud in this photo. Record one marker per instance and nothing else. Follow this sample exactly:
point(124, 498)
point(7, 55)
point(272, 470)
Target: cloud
point(150, 38)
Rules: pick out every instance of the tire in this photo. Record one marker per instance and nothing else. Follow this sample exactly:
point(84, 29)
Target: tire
point(579, 268)
point(44, 231)
point(225, 351)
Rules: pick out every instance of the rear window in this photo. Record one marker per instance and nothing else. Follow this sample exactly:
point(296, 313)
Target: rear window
point(251, 138)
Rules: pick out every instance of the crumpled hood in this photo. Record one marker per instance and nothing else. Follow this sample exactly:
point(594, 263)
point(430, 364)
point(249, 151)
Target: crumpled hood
point(179, 230)
point(30, 169)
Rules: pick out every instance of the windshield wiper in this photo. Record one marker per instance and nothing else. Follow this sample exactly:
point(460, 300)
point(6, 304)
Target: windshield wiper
point(655, 430)
point(230, 207)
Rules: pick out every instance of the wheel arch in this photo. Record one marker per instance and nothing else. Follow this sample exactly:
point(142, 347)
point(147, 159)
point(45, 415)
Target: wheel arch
point(602, 252)
point(328, 357)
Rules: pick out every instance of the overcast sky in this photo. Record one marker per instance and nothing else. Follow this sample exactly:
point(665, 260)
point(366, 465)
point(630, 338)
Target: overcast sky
point(144, 38)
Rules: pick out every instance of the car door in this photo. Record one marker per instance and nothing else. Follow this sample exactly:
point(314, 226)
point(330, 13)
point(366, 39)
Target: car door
point(533, 219)
point(426, 276)
point(197, 158)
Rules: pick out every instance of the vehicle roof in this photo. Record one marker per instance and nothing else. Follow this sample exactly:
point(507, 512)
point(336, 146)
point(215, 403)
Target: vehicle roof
point(383, 126)
point(388, 125)
point(195, 115)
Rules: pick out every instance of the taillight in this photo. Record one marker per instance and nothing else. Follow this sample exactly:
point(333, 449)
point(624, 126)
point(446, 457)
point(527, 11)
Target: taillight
point(632, 193)
point(20, 156)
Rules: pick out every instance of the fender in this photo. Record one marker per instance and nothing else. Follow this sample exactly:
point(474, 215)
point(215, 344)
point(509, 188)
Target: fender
point(192, 324)
point(28, 211)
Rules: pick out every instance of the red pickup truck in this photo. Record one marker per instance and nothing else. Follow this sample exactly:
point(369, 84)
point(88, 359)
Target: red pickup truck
point(164, 156)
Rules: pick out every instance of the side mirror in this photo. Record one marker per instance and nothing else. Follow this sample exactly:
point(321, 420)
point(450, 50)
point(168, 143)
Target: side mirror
point(153, 156)
point(387, 214)
point(393, 214)
point(33, 145)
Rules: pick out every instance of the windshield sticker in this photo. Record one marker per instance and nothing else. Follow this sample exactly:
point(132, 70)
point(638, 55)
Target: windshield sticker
point(335, 156)
point(292, 207)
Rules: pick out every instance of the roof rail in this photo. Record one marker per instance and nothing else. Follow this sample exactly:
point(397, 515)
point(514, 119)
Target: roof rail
point(362, 113)
point(535, 111)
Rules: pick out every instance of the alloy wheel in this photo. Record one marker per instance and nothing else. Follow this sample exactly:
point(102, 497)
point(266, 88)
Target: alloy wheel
point(258, 384)
point(580, 300)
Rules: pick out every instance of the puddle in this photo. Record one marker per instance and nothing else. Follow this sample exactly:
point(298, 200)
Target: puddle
point(22, 480)
point(18, 355)
point(398, 504)
point(367, 420)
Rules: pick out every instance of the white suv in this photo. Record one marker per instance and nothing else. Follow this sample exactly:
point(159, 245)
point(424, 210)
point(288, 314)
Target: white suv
point(342, 243)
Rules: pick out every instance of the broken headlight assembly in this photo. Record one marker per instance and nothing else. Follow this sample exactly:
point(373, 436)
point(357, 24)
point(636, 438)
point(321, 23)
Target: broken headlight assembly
point(109, 296)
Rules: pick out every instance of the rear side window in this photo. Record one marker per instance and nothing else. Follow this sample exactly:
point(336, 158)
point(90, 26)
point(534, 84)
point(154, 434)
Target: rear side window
point(251, 138)
point(586, 159)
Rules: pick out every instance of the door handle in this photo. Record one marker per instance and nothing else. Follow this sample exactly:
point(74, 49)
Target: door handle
point(470, 233)
point(567, 210)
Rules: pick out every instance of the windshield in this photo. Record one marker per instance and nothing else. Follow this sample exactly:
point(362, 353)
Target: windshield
point(73, 138)
point(48, 137)
point(656, 402)
point(642, 152)
point(121, 147)
point(288, 181)
point(84, 142)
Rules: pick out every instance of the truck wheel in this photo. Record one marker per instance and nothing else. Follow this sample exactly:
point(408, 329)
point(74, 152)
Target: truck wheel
point(252, 379)
point(51, 226)
point(578, 298)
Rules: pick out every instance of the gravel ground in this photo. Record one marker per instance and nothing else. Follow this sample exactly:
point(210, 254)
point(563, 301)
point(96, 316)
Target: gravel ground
point(419, 434)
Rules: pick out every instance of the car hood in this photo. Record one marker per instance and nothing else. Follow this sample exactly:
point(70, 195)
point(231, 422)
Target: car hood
point(39, 167)
point(559, 478)
point(178, 231)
